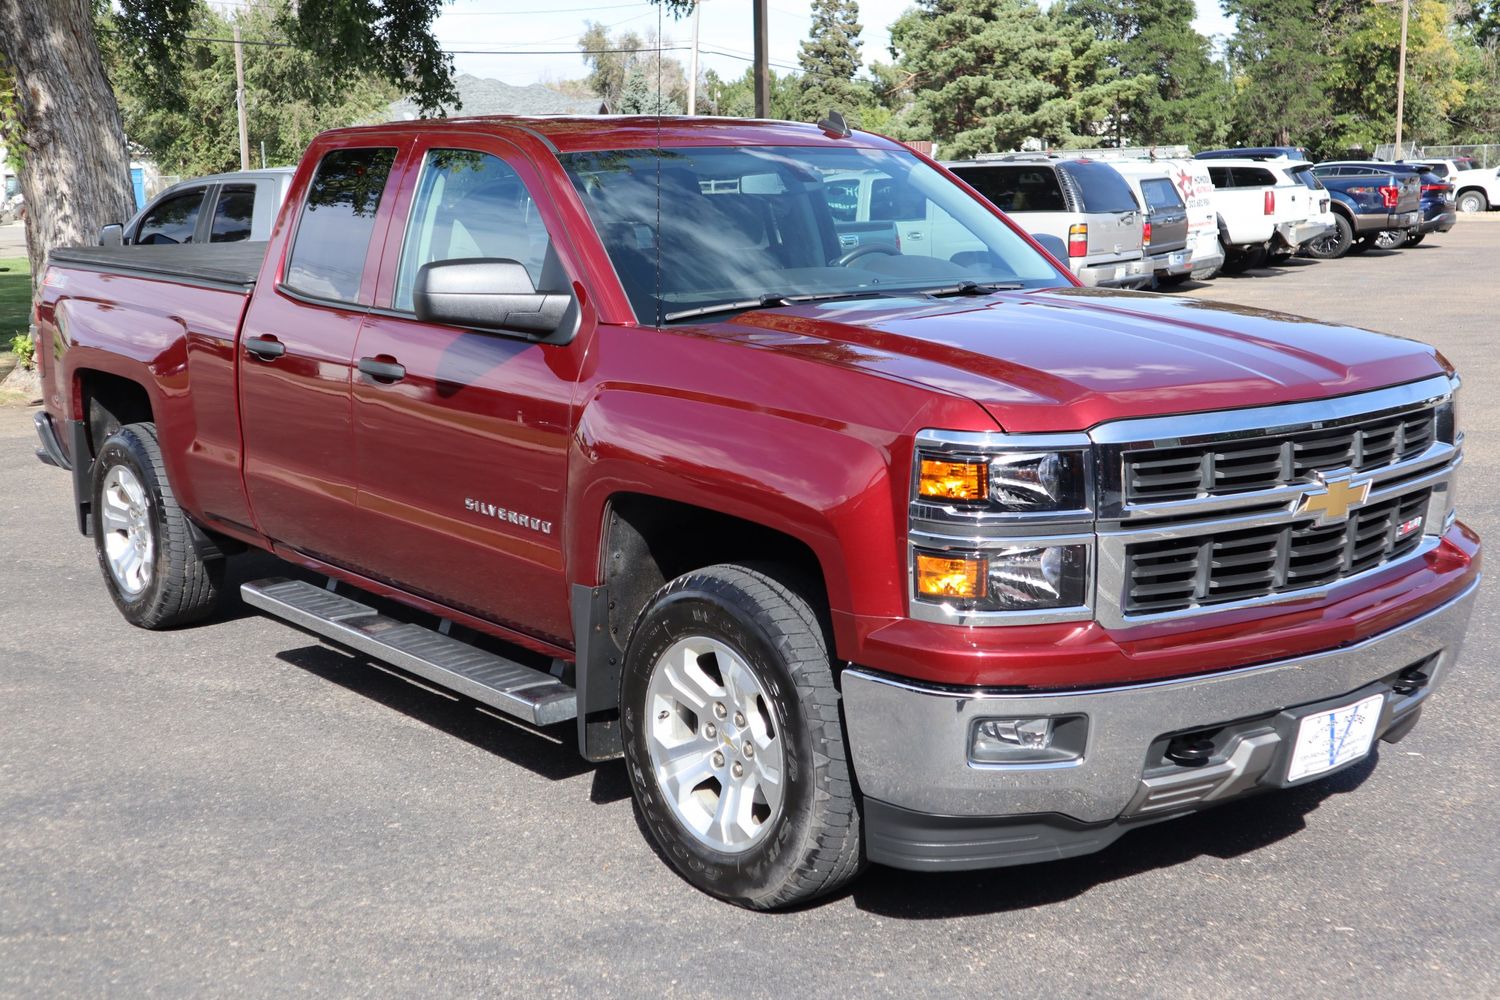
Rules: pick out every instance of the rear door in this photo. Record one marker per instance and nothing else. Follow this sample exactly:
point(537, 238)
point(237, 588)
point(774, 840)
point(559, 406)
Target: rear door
point(296, 349)
point(1109, 208)
point(462, 456)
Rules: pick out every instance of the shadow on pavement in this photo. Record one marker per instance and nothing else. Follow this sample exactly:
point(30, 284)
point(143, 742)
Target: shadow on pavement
point(1225, 832)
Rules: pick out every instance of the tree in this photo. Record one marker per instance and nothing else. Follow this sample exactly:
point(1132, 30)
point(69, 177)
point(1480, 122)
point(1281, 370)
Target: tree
point(1177, 93)
point(991, 74)
point(75, 162)
point(611, 61)
point(1277, 57)
point(188, 123)
point(639, 97)
point(830, 61)
point(735, 97)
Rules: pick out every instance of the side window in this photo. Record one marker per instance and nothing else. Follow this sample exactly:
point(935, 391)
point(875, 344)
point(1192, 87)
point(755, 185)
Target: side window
point(1252, 177)
point(892, 202)
point(233, 215)
point(1018, 189)
point(843, 199)
point(1220, 177)
point(173, 221)
point(333, 234)
point(470, 204)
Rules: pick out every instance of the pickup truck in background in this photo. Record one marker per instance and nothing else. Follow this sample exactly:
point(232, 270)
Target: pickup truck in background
point(1475, 189)
point(1368, 199)
point(218, 208)
point(1267, 209)
point(935, 562)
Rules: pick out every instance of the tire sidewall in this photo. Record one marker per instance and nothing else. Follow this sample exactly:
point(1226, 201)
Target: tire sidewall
point(125, 448)
point(774, 858)
point(1471, 202)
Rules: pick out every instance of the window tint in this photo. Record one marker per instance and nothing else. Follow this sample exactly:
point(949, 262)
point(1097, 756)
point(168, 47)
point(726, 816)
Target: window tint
point(843, 199)
point(233, 215)
point(1102, 187)
point(1245, 177)
point(1160, 193)
point(1441, 169)
point(1220, 177)
point(894, 202)
point(333, 235)
point(1306, 177)
point(173, 221)
point(1017, 189)
point(470, 204)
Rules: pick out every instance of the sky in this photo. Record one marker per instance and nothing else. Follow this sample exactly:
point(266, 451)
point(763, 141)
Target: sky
point(528, 41)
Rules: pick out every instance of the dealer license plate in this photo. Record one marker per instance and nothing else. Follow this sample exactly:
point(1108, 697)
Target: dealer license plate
point(1328, 739)
point(1176, 259)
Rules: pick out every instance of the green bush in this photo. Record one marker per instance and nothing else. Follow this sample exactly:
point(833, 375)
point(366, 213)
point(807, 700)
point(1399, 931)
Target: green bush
point(24, 349)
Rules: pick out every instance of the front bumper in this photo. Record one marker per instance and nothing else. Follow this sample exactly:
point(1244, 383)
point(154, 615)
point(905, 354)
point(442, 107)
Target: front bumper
point(928, 806)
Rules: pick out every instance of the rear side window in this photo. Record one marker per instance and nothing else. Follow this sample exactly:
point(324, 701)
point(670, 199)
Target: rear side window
point(1102, 187)
point(173, 221)
point(333, 234)
point(1160, 193)
point(1306, 177)
point(470, 205)
point(1250, 177)
point(233, 215)
point(1441, 169)
point(1220, 177)
point(1017, 189)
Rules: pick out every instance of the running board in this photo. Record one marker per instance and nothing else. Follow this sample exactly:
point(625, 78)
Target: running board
point(513, 688)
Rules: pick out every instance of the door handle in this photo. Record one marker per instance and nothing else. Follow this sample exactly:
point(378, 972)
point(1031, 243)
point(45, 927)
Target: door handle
point(914, 235)
point(382, 368)
point(265, 348)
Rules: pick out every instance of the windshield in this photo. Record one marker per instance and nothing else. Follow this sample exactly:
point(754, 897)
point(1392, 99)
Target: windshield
point(738, 226)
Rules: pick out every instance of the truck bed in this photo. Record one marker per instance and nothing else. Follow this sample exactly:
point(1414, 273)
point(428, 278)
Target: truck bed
point(231, 266)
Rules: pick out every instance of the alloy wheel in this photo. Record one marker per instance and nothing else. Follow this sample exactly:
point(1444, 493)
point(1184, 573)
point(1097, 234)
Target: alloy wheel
point(129, 541)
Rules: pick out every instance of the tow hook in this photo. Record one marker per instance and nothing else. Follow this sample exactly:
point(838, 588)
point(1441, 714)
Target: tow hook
point(1190, 751)
point(1410, 681)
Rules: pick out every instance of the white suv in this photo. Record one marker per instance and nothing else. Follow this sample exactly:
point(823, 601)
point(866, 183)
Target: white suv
point(1267, 208)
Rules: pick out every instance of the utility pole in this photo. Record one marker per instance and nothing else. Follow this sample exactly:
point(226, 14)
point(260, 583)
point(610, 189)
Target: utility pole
point(239, 98)
point(1401, 80)
point(762, 61)
point(692, 101)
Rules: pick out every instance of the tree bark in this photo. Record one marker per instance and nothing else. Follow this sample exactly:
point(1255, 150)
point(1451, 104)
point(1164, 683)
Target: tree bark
point(75, 169)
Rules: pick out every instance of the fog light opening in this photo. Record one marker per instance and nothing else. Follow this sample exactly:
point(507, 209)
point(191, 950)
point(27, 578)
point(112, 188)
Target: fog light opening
point(1035, 740)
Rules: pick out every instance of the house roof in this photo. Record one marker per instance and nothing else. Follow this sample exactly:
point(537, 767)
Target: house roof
point(495, 97)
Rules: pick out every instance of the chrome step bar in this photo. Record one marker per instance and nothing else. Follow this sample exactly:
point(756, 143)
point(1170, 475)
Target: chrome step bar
point(513, 688)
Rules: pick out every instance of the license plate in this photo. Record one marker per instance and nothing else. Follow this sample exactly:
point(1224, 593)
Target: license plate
point(1328, 739)
point(1176, 259)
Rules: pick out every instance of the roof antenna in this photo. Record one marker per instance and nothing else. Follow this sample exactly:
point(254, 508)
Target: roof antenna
point(834, 126)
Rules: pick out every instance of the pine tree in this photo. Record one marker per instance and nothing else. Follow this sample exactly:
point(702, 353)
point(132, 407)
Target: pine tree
point(1277, 57)
point(639, 97)
point(830, 60)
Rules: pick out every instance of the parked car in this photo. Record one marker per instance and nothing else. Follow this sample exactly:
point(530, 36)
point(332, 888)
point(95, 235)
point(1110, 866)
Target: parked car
point(1368, 198)
point(11, 200)
point(1474, 189)
point(940, 564)
point(1267, 208)
point(1439, 213)
point(1168, 240)
point(219, 208)
point(1084, 203)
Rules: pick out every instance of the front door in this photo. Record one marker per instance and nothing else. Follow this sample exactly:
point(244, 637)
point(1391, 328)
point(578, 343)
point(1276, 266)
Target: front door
point(296, 347)
point(462, 436)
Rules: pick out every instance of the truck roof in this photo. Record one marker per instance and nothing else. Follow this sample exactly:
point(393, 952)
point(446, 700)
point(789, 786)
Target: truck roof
point(581, 133)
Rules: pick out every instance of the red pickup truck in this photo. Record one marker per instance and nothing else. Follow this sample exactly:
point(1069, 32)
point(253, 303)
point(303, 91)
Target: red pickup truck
point(919, 554)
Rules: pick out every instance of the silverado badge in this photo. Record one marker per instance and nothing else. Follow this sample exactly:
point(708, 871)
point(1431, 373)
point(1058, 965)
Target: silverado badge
point(1334, 498)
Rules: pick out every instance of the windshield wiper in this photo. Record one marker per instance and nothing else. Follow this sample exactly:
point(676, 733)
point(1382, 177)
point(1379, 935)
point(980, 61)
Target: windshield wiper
point(971, 288)
point(767, 301)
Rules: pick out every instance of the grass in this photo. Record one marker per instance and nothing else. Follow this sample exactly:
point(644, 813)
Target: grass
point(15, 298)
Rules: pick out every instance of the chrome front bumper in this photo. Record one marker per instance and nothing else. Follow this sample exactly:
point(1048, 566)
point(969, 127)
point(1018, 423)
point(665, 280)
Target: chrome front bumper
point(909, 742)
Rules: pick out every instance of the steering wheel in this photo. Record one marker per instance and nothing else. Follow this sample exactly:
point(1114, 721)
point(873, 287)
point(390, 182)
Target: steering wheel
point(865, 251)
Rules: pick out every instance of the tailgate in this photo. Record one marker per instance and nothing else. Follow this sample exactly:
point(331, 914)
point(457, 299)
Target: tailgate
point(1113, 234)
point(1411, 194)
point(1169, 229)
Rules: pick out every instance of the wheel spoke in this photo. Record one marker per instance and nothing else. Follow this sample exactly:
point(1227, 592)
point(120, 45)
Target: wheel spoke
point(740, 687)
point(114, 517)
point(685, 768)
point(732, 817)
point(689, 683)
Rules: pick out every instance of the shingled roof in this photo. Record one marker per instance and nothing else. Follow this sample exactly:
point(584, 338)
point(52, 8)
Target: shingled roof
point(495, 97)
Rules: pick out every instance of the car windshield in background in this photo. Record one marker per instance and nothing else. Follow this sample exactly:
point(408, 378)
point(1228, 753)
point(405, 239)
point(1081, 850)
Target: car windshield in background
point(1102, 187)
point(735, 227)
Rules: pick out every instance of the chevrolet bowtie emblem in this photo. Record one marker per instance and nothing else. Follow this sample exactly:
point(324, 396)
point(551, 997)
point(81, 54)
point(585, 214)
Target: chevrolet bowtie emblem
point(1334, 500)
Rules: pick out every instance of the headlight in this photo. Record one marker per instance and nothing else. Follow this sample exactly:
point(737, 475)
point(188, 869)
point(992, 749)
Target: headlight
point(1448, 427)
point(1019, 482)
point(1015, 577)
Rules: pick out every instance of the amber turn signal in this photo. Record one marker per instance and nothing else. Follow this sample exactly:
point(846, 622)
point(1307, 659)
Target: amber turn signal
point(940, 576)
point(953, 480)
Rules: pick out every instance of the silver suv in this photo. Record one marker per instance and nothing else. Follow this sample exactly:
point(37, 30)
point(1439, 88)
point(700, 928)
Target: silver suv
point(1082, 204)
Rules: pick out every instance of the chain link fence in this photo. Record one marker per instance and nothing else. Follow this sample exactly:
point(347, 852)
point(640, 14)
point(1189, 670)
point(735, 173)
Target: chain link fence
point(1484, 155)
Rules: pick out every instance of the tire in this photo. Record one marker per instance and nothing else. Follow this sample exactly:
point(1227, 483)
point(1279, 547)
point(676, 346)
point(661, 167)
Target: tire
point(146, 547)
point(1391, 239)
point(1278, 257)
point(1412, 239)
point(1240, 259)
point(1473, 201)
point(720, 659)
point(1333, 245)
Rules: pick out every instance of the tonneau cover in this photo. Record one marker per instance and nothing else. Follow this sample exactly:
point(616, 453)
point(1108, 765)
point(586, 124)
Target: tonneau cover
point(227, 265)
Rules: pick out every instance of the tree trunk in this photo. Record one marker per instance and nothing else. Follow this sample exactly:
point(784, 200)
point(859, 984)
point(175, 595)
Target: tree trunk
point(75, 169)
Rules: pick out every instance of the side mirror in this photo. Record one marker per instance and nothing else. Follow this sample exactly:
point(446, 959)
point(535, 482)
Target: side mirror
point(1053, 245)
point(112, 235)
point(492, 293)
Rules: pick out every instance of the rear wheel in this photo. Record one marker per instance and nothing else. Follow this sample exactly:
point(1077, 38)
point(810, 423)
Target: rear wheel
point(1391, 239)
point(1413, 238)
point(1473, 201)
point(1332, 245)
point(152, 564)
point(733, 741)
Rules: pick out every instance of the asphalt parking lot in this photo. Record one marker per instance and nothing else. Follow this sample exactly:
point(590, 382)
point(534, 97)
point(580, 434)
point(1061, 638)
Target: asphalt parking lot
point(235, 809)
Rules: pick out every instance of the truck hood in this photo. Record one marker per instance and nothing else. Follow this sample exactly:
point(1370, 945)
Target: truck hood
point(1070, 358)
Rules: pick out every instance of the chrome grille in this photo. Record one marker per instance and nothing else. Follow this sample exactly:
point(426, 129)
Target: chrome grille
point(1176, 574)
point(1228, 467)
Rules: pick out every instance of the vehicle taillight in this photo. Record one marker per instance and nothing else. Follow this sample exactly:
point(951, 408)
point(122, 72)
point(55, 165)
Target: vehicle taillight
point(1078, 239)
point(1435, 187)
point(1146, 233)
point(1270, 202)
point(1391, 195)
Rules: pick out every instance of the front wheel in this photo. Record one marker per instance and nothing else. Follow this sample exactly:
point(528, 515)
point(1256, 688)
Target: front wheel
point(733, 740)
point(1473, 201)
point(152, 564)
